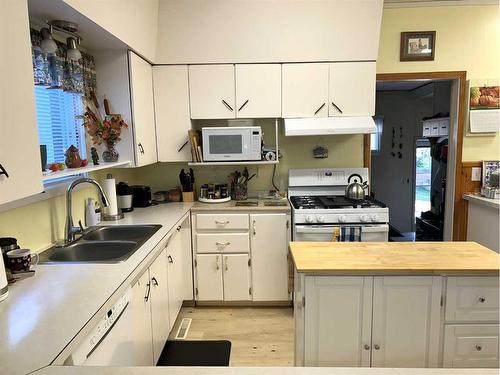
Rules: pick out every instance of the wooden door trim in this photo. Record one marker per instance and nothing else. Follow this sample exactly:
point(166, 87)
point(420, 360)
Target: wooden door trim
point(461, 76)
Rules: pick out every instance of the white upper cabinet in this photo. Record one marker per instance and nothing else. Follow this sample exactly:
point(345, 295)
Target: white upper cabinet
point(406, 321)
point(258, 90)
point(143, 116)
point(211, 91)
point(171, 97)
point(20, 167)
point(305, 90)
point(352, 89)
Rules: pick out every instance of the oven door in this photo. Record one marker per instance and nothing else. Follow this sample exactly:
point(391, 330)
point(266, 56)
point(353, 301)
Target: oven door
point(316, 233)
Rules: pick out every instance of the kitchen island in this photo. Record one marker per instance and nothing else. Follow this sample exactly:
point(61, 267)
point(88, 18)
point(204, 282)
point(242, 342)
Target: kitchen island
point(418, 305)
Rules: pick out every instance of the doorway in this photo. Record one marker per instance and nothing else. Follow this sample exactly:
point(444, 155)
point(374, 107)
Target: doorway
point(416, 189)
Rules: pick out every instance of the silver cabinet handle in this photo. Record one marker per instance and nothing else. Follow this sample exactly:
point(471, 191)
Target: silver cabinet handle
point(178, 228)
point(225, 263)
point(227, 105)
point(320, 108)
point(221, 222)
point(141, 149)
point(482, 299)
point(479, 348)
point(244, 104)
point(217, 267)
point(3, 171)
point(336, 107)
point(367, 347)
point(254, 230)
point(376, 346)
point(154, 281)
point(223, 243)
point(148, 291)
point(170, 260)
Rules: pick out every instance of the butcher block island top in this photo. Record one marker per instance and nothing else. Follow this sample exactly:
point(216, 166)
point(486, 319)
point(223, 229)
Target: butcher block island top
point(394, 258)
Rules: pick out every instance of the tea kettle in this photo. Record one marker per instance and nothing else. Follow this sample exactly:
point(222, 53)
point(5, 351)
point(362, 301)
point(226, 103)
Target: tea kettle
point(355, 190)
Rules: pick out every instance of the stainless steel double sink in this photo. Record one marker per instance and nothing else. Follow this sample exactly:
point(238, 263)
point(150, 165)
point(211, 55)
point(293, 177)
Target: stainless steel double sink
point(106, 244)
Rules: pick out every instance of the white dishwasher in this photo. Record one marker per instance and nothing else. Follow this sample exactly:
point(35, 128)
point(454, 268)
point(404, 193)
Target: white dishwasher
point(111, 341)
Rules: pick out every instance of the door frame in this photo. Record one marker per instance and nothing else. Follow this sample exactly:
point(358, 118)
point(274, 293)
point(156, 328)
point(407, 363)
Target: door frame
point(456, 138)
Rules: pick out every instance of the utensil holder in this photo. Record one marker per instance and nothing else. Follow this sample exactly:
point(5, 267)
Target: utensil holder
point(240, 192)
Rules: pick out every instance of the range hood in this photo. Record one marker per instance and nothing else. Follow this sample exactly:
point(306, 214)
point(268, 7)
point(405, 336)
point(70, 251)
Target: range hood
point(329, 125)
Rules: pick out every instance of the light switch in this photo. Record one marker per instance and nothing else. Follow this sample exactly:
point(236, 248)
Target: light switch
point(476, 174)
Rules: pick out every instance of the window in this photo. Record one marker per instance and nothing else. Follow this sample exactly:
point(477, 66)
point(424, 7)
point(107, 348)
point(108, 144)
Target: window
point(58, 123)
point(376, 138)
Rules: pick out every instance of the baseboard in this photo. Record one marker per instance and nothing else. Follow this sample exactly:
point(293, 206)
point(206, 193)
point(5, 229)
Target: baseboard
point(243, 303)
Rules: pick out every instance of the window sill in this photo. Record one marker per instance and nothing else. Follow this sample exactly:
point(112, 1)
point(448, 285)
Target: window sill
point(47, 176)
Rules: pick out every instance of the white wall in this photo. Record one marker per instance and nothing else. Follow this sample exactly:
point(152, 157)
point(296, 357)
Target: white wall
point(135, 22)
point(201, 31)
point(392, 178)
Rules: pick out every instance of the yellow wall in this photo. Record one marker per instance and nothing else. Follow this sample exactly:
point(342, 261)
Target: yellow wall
point(467, 38)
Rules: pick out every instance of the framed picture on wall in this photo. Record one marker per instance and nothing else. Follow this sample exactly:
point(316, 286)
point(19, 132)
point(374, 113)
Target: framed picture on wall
point(490, 167)
point(417, 46)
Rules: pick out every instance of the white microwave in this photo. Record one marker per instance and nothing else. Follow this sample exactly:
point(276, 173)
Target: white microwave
point(232, 143)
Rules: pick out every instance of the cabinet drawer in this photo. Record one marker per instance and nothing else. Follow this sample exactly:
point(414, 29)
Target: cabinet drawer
point(469, 345)
point(222, 221)
point(472, 299)
point(222, 243)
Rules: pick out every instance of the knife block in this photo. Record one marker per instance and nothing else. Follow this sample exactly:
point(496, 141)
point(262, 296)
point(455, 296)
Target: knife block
point(188, 196)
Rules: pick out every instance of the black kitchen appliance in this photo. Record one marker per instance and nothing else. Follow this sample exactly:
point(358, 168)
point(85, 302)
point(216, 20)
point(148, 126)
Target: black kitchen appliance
point(142, 196)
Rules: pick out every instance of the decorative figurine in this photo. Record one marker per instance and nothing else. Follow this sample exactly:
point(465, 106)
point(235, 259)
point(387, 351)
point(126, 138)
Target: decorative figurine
point(94, 155)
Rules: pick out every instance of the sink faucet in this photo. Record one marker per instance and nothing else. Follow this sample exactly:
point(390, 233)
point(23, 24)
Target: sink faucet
point(70, 230)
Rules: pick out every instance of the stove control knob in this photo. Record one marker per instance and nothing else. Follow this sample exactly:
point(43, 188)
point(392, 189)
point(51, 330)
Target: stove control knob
point(364, 218)
point(342, 219)
point(320, 218)
point(375, 218)
point(309, 219)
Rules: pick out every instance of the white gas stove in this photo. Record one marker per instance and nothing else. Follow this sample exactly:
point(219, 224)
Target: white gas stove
point(319, 205)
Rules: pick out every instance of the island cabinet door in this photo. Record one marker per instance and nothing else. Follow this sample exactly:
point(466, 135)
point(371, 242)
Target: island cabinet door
point(338, 312)
point(406, 321)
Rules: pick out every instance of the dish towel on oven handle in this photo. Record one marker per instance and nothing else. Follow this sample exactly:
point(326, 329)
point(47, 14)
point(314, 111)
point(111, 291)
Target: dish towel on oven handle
point(350, 234)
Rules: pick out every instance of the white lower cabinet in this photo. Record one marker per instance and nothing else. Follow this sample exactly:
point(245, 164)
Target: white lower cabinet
point(209, 277)
point(175, 275)
point(236, 276)
point(371, 321)
point(140, 308)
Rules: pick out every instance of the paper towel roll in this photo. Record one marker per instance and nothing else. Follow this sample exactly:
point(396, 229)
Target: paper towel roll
point(110, 191)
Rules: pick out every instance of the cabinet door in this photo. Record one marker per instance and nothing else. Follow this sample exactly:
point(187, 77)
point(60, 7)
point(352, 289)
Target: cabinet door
point(159, 303)
point(209, 277)
point(171, 94)
point(305, 90)
point(471, 345)
point(236, 277)
point(406, 321)
point(140, 308)
point(352, 89)
point(338, 313)
point(258, 90)
point(269, 247)
point(141, 82)
point(175, 277)
point(186, 257)
point(211, 91)
point(20, 167)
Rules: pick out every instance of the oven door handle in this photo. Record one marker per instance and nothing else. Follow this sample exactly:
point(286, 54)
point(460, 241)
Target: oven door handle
point(365, 228)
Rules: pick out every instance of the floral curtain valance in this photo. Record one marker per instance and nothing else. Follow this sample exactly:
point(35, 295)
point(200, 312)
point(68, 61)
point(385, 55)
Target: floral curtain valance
point(56, 72)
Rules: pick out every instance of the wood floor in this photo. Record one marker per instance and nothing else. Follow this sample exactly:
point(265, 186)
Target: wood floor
point(259, 336)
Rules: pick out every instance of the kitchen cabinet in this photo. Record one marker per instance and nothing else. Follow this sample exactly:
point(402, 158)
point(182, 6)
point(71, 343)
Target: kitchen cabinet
point(211, 91)
point(20, 167)
point(236, 276)
point(305, 90)
point(209, 277)
point(140, 308)
point(338, 313)
point(406, 321)
point(160, 303)
point(171, 98)
point(175, 275)
point(372, 321)
point(352, 89)
point(258, 90)
point(269, 244)
point(143, 116)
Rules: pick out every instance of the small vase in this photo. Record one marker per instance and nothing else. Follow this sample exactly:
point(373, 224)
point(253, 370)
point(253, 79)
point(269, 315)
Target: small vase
point(110, 155)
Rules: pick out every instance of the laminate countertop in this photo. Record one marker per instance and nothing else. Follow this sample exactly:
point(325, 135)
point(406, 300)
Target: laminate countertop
point(257, 371)
point(488, 202)
point(232, 206)
point(394, 258)
point(44, 313)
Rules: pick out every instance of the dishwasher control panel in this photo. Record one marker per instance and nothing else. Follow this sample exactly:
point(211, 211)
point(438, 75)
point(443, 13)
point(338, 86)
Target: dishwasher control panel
point(97, 334)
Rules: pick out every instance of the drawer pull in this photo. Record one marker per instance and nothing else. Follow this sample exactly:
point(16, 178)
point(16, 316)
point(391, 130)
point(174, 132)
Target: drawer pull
point(479, 348)
point(223, 243)
point(221, 222)
point(482, 299)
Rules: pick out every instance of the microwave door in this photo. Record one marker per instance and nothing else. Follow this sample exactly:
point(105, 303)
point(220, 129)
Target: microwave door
point(224, 147)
